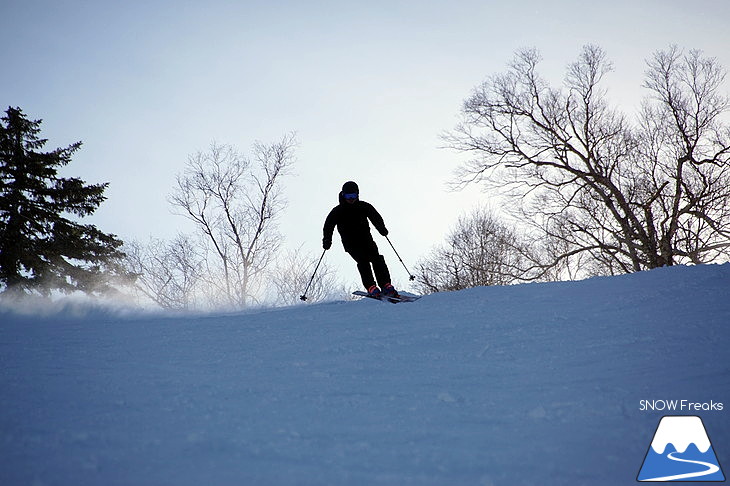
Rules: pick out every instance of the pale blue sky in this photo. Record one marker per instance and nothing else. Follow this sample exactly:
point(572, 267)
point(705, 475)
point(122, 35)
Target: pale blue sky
point(367, 86)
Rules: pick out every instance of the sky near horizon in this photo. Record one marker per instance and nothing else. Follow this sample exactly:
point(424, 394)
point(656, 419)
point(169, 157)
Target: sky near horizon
point(368, 88)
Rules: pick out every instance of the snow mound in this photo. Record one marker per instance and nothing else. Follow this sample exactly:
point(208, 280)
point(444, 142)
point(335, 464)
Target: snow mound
point(680, 431)
point(522, 385)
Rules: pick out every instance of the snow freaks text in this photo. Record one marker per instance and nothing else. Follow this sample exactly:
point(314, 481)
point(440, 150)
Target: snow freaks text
point(679, 406)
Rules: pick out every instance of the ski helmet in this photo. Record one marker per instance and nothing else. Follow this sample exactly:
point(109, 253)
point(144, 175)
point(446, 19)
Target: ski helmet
point(350, 187)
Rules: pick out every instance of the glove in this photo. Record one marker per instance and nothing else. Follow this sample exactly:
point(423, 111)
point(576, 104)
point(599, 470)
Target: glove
point(384, 232)
point(326, 243)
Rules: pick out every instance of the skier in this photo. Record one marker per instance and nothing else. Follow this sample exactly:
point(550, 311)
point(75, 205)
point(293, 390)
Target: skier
point(351, 218)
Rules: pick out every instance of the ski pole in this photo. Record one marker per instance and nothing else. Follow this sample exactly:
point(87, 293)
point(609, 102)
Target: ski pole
point(410, 276)
point(303, 297)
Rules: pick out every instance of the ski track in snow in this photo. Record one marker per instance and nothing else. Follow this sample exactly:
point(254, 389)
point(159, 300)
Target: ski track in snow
point(711, 469)
point(522, 385)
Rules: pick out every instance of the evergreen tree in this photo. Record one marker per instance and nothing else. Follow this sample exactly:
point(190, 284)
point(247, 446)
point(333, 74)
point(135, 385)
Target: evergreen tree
point(41, 249)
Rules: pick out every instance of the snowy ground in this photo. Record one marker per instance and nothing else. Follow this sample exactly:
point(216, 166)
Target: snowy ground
point(536, 384)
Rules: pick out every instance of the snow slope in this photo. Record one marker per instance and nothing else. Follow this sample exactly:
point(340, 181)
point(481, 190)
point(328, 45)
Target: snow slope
point(530, 384)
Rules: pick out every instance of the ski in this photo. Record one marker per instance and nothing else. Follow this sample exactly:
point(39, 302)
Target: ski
point(392, 300)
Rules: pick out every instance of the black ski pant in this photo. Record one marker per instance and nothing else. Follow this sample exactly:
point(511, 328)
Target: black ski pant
point(368, 260)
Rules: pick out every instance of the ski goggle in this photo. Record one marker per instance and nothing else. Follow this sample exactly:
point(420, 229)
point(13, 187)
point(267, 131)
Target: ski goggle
point(350, 196)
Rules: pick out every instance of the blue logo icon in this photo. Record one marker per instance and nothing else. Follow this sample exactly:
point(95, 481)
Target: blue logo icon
point(680, 451)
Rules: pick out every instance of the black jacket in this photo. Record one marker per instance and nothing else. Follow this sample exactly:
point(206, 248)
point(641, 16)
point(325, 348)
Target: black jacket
point(351, 220)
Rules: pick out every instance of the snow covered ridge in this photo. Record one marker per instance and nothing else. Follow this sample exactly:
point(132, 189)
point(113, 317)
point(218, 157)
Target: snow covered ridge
point(81, 306)
point(688, 429)
point(522, 385)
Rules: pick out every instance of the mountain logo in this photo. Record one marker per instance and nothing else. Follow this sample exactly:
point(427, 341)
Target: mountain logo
point(680, 451)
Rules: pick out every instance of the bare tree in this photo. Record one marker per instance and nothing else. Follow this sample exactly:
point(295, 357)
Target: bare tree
point(597, 190)
point(168, 273)
point(479, 250)
point(292, 274)
point(234, 201)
